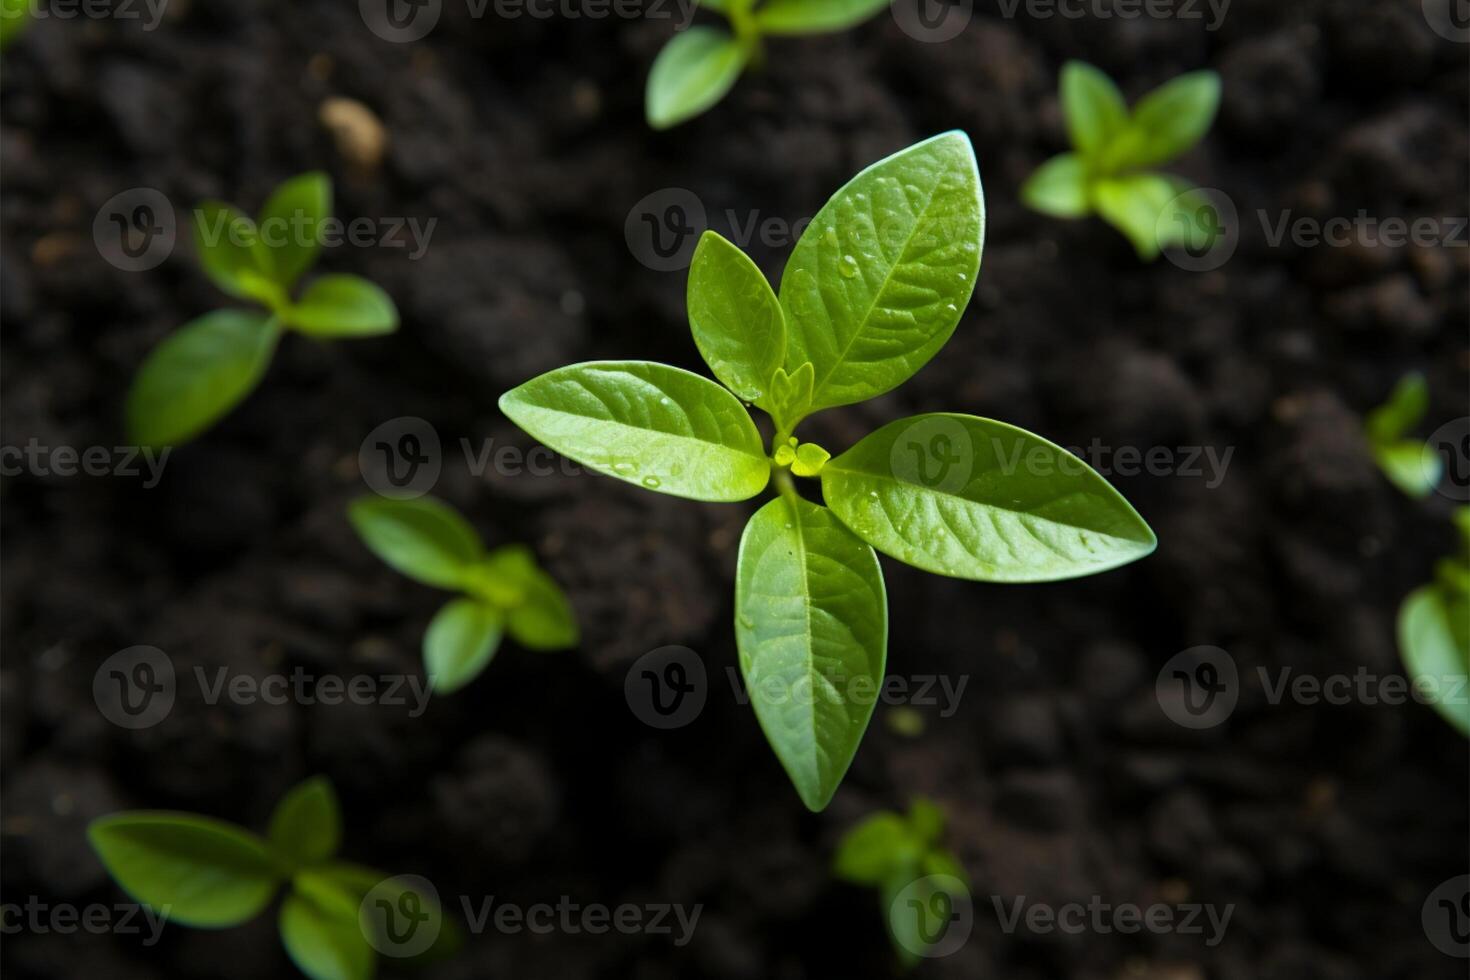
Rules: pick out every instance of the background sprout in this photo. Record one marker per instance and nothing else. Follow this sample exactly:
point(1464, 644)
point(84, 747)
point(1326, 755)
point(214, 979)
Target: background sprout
point(873, 289)
point(1410, 464)
point(700, 65)
point(501, 591)
point(1109, 171)
point(212, 874)
point(1434, 632)
point(208, 366)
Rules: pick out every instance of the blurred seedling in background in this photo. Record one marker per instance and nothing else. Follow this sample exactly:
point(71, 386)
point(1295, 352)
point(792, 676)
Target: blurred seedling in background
point(208, 366)
point(872, 291)
point(919, 882)
point(1109, 171)
point(1434, 632)
point(502, 591)
point(1410, 464)
point(700, 65)
point(212, 874)
point(15, 17)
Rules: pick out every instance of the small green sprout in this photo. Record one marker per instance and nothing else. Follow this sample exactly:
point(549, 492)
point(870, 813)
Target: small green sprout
point(15, 17)
point(209, 365)
point(1108, 173)
point(212, 874)
point(1410, 464)
point(502, 590)
point(874, 288)
point(919, 881)
point(1434, 632)
point(699, 66)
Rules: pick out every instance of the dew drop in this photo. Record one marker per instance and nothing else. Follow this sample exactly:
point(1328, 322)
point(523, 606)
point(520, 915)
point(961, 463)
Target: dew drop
point(848, 267)
point(831, 237)
point(747, 622)
point(651, 482)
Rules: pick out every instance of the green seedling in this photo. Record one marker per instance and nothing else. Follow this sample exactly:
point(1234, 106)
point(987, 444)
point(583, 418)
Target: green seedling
point(1410, 464)
point(209, 365)
point(212, 874)
point(873, 289)
point(1434, 633)
point(15, 17)
point(919, 882)
point(1109, 173)
point(500, 591)
point(700, 65)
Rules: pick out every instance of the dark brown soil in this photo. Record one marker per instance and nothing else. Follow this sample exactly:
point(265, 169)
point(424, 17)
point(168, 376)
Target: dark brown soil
point(1324, 826)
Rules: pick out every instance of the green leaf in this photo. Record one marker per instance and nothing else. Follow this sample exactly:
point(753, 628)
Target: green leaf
point(1093, 106)
point(735, 317)
point(195, 870)
point(874, 850)
point(307, 824)
point(1412, 466)
point(693, 72)
point(926, 820)
point(810, 458)
point(291, 225)
point(319, 928)
point(422, 538)
point(815, 16)
point(199, 372)
point(1166, 122)
point(343, 306)
point(977, 499)
point(791, 396)
point(1434, 641)
point(1406, 407)
point(459, 642)
point(939, 862)
point(15, 17)
point(540, 617)
point(226, 242)
point(811, 623)
point(657, 426)
point(1139, 205)
point(1058, 188)
point(880, 277)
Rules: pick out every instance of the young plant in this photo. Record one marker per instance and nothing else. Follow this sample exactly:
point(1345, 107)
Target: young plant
point(918, 880)
point(211, 874)
point(699, 65)
point(15, 17)
point(1109, 171)
point(873, 289)
point(1434, 632)
point(1410, 464)
point(501, 591)
point(209, 365)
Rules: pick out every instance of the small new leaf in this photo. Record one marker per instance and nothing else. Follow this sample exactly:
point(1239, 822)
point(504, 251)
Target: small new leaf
point(306, 826)
point(693, 72)
point(422, 538)
point(735, 317)
point(290, 226)
point(343, 306)
point(460, 640)
point(1410, 464)
point(815, 16)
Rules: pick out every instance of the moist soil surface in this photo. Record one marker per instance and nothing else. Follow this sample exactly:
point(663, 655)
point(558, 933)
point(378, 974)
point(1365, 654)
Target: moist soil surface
point(1321, 827)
